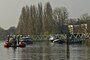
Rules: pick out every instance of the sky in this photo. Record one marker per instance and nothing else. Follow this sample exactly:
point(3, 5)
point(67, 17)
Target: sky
point(10, 9)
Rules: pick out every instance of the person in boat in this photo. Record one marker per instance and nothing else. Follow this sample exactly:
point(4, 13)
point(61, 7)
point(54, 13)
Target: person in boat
point(12, 40)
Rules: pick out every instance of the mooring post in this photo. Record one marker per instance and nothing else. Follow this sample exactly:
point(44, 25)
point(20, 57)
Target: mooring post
point(67, 47)
point(18, 38)
point(8, 38)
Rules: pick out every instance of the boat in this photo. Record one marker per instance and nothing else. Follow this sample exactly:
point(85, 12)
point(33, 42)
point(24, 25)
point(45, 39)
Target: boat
point(55, 39)
point(7, 45)
point(12, 42)
point(51, 38)
point(27, 40)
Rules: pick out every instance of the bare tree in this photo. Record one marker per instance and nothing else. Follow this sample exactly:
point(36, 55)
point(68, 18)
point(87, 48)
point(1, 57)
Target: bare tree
point(60, 15)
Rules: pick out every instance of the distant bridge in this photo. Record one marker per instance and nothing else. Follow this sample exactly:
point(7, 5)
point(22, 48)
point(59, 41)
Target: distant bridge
point(72, 37)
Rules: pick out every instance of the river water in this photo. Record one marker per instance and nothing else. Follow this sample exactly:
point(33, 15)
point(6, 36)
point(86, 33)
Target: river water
point(45, 51)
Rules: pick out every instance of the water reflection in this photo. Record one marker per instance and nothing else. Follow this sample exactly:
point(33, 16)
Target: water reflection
point(79, 52)
point(45, 51)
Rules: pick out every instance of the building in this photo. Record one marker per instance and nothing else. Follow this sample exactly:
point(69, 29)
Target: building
point(79, 28)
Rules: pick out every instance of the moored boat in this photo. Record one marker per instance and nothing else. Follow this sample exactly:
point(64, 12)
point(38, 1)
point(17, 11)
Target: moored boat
point(13, 42)
point(7, 45)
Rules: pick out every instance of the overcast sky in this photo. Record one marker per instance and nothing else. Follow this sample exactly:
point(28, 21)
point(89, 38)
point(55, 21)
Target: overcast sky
point(10, 9)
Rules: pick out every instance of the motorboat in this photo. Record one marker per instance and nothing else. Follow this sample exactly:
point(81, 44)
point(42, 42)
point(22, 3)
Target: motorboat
point(55, 39)
point(7, 45)
point(27, 40)
point(13, 42)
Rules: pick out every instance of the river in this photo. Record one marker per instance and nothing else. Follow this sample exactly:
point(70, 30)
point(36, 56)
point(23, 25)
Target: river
point(45, 51)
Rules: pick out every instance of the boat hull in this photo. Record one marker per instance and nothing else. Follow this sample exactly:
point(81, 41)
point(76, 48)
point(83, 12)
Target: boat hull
point(19, 45)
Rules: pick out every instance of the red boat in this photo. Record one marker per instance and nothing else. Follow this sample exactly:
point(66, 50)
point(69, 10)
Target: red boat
point(21, 45)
